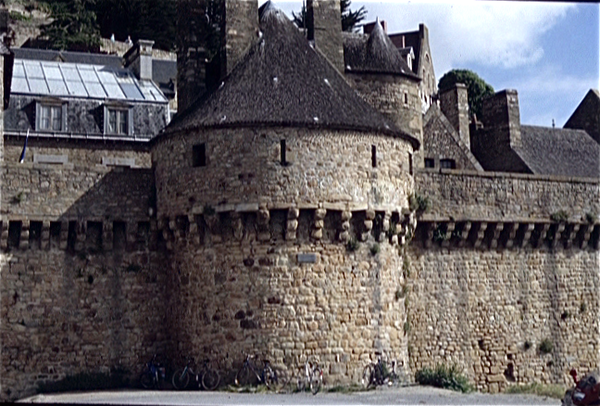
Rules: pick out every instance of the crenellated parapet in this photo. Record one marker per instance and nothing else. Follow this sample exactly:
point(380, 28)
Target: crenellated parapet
point(95, 235)
point(485, 235)
point(331, 222)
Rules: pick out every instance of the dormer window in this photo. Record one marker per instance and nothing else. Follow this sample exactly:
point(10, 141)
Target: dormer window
point(118, 120)
point(51, 116)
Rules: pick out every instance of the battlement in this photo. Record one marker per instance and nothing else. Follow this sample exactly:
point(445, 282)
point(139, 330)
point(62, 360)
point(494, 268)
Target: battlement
point(94, 235)
point(508, 235)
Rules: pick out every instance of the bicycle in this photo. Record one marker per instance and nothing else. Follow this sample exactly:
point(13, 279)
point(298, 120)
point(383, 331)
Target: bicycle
point(153, 375)
point(312, 377)
point(379, 373)
point(250, 375)
point(206, 377)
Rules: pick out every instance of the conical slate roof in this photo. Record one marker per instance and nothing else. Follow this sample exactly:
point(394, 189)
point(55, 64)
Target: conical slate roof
point(283, 81)
point(377, 54)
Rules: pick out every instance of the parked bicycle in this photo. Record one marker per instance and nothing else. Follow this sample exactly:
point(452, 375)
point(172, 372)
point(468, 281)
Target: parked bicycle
point(382, 372)
point(250, 374)
point(206, 377)
point(153, 375)
point(308, 376)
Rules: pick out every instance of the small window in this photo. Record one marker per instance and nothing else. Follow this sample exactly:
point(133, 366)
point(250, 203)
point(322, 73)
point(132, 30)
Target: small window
point(118, 120)
point(282, 149)
point(199, 155)
point(51, 117)
point(410, 163)
point(429, 163)
point(447, 163)
point(374, 156)
point(405, 98)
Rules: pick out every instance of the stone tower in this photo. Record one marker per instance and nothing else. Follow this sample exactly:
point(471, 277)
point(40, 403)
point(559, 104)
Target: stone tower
point(284, 214)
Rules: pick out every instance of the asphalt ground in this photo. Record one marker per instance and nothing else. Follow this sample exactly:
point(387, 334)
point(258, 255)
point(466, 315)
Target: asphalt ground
point(412, 395)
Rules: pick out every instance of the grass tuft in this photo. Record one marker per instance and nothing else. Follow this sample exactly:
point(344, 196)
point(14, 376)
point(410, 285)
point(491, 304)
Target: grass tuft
point(551, 391)
point(444, 377)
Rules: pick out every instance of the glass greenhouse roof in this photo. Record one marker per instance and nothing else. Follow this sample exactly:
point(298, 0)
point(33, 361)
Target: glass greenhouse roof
point(61, 79)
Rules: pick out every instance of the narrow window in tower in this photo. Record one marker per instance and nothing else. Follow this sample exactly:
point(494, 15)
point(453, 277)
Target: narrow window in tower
point(199, 155)
point(282, 150)
point(410, 163)
point(405, 98)
point(373, 156)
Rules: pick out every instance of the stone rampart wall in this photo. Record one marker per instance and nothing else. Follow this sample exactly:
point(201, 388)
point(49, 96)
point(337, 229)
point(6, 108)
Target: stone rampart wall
point(65, 313)
point(465, 195)
point(77, 185)
point(490, 311)
point(245, 166)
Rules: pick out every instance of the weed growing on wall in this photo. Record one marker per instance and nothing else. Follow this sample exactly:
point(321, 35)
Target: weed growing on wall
point(444, 377)
point(352, 245)
point(560, 216)
point(546, 346)
point(375, 248)
point(418, 203)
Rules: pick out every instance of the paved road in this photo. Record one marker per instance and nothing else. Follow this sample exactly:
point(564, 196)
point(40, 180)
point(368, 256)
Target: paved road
point(416, 395)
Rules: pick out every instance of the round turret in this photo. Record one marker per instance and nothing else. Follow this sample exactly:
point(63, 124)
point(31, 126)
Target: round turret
point(283, 197)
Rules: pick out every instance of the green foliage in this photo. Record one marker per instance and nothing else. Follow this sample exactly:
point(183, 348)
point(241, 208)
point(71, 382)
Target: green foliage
point(477, 88)
point(444, 377)
point(140, 19)
point(74, 27)
point(560, 216)
point(350, 19)
point(406, 326)
point(546, 346)
point(418, 203)
point(352, 245)
point(551, 391)
point(440, 233)
point(375, 248)
point(18, 198)
point(17, 16)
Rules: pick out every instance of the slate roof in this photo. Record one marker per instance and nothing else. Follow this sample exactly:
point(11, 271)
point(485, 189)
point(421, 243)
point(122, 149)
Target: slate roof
point(283, 81)
point(374, 53)
point(67, 56)
point(560, 152)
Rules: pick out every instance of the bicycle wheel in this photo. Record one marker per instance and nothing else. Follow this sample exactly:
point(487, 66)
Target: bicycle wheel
point(316, 380)
point(245, 377)
point(181, 379)
point(367, 377)
point(147, 380)
point(210, 379)
point(270, 376)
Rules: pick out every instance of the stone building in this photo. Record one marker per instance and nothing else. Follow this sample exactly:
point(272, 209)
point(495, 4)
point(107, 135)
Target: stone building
point(282, 212)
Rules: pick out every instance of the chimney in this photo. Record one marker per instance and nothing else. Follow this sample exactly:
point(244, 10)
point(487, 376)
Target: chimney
point(139, 59)
point(494, 145)
point(324, 24)
point(368, 28)
point(501, 113)
point(191, 52)
point(240, 31)
point(454, 103)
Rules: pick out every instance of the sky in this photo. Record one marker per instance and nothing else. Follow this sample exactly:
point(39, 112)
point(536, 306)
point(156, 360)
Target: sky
point(547, 51)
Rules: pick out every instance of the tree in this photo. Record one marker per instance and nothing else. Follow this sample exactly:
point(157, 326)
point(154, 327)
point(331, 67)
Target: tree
point(73, 27)
point(477, 88)
point(139, 19)
point(350, 19)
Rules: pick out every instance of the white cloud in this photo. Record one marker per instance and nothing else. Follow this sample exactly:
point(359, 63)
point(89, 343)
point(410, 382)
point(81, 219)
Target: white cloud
point(504, 34)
